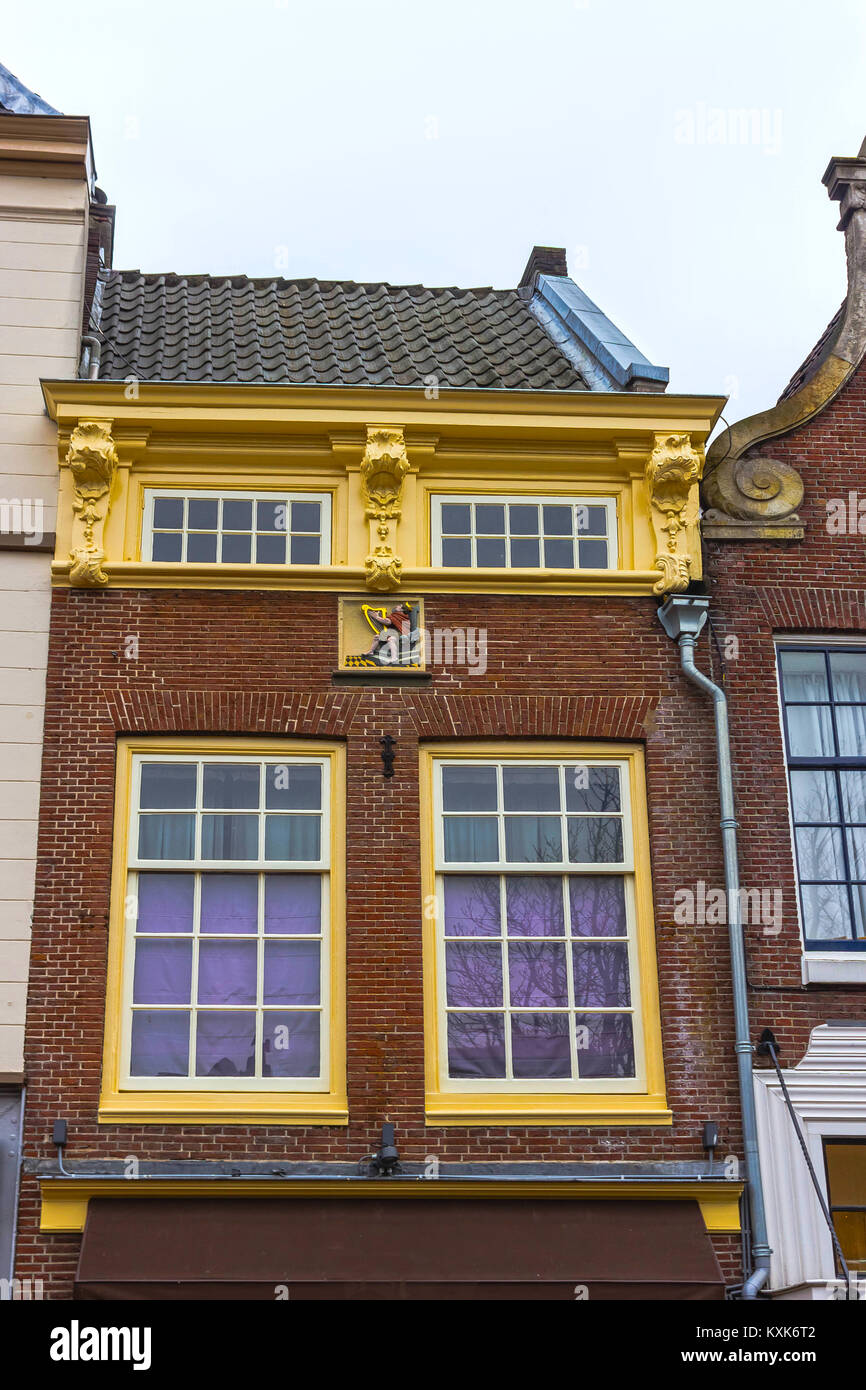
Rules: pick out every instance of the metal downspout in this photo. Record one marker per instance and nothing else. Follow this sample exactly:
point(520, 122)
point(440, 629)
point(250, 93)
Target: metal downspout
point(682, 618)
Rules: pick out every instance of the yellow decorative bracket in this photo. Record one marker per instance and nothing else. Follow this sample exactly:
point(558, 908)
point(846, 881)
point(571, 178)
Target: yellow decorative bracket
point(672, 474)
point(383, 468)
point(92, 459)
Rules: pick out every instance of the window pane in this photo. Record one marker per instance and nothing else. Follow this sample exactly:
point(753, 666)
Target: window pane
point(605, 1045)
point(456, 552)
point(850, 1228)
point(846, 1172)
point(236, 550)
point(595, 839)
point(601, 976)
point(819, 853)
point(293, 903)
point(858, 892)
point(848, 673)
point(305, 550)
point(473, 974)
point(163, 972)
point(167, 546)
point(229, 837)
point(293, 838)
point(490, 554)
point(597, 905)
point(476, 1045)
point(471, 839)
point(540, 1045)
point(851, 728)
point(523, 520)
point(160, 1044)
point(225, 1044)
point(810, 731)
point(594, 521)
point(290, 1044)
point(530, 788)
point(533, 839)
point(489, 519)
point(853, 794)
point(229, 903)
point(592, 788)
point(826, 912)
point(534, 905)
point(168, 513)
point(558, 521)
point(166, 837)
point(456, 519)
point(813, 795)
point(469, 788)
point(231, 786)
point(306, 516)
point(471, 904)
point(201, 549)
point(271, 550)
point(237, 514)
point(593, 555)
point(165, 902)
point(804, 676)
point(559, 555)
point(292, 972)
point(227, 972)
point(536, 972)
point(203, 513)
point(167, 786)
point(293, 787)
point(525, 554)
point(856, 852)
point(271, 516)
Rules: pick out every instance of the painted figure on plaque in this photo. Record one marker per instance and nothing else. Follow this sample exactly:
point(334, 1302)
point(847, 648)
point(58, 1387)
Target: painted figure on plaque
point(397, 637)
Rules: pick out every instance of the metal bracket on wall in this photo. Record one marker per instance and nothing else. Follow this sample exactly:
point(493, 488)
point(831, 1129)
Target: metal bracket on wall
point(388, 744)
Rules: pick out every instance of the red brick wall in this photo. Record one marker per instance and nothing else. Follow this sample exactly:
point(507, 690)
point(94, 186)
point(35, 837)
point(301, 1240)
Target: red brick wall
point(817, 585)
point(228, 662)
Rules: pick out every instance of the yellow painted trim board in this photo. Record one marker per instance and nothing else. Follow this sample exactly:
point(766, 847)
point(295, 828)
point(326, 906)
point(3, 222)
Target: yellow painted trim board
point(64, 1200)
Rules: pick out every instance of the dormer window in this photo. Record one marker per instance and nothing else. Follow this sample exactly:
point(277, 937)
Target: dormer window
point(519, 532)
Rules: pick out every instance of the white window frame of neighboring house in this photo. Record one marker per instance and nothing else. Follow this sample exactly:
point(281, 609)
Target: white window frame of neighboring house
point(262, 494)
point(439, 500)
point(564, 868)
point(199, 866)
point(817, 967)
point(828, 1093)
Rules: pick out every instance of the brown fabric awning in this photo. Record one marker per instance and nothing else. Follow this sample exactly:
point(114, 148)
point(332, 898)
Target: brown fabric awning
point(395, 1248)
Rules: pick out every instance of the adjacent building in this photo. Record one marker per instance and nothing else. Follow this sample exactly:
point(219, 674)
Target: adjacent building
point(55, 232)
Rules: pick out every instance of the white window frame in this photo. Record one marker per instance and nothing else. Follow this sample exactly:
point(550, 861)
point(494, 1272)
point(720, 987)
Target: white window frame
point(816, 966)
point(263, 494)
point(624, 869)
point(198, 866)
point(440, 500)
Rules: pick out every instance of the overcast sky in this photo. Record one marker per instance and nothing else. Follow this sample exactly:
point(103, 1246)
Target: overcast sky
point(675, 148)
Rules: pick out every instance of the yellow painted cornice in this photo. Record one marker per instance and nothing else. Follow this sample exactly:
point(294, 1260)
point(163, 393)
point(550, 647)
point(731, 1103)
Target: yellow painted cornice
point(187, 407)
point(65, 1200)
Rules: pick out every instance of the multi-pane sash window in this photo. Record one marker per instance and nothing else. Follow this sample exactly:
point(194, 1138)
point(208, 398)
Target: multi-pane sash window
point(565, 533)
point(226, 981)
point(845, 1162)
point(824, 712)
point(237, 528)
point(537, 968)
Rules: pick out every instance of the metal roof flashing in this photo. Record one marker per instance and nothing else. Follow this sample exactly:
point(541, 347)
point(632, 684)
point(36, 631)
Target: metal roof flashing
point(582, 331)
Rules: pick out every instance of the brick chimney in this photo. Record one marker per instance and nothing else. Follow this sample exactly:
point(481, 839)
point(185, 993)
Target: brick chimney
point(543, 260)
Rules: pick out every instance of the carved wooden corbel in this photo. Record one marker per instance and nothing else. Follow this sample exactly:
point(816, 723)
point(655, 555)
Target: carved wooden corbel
point(92, 459)
point(672, 474)
point(383, 468)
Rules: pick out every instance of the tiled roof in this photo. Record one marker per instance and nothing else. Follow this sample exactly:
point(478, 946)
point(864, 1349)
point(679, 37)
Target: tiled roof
point(311, 332)
point(820, 351)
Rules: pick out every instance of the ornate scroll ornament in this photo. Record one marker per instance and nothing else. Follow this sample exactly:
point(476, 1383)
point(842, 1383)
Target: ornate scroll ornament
point(92, 459)
point(383, 468)
point(672, 475)
point(753, 497)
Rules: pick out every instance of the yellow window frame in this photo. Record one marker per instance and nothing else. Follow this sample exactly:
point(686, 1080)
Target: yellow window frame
point(447, 1105)
point(120, 1105)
